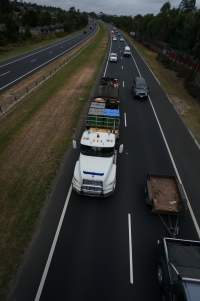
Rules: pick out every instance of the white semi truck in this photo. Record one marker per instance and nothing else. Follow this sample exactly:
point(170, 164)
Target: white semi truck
point(95, 170)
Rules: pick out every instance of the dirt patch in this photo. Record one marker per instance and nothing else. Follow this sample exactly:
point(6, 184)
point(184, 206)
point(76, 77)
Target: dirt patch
point(180, 106)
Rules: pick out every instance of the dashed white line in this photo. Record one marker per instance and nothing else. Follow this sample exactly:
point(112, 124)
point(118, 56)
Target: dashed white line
point(172, 160)
point(125, 121)
point(43, 64)
point(123, 84)
point(44, 275)
point(40, 50)
point(122, 67)
point(5, 73)
point(130, 248)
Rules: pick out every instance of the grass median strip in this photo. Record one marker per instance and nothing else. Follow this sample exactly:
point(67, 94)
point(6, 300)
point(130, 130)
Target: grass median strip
point(33, 140)
point(186, 106)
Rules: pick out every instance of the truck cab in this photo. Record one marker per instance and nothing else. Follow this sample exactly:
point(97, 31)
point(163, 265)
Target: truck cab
point(95, 170)
point(179, 269)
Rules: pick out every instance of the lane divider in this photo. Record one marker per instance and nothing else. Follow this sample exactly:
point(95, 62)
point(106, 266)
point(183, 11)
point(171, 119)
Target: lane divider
point(130, 248)
point(125, 121)
point(40, 50)
point(104, 74)
point(45, 63)
point(172, 159)
point(5, 73)
point(53, 246)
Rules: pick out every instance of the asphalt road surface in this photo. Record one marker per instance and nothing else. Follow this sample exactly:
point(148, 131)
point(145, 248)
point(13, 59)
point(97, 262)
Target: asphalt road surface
point(105, 249)
point(15, 69)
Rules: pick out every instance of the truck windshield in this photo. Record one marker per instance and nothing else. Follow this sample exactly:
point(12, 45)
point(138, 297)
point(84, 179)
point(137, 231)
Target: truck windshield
point(97, 151)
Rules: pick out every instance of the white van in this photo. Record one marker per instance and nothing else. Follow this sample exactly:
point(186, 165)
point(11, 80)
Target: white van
point(127, 51)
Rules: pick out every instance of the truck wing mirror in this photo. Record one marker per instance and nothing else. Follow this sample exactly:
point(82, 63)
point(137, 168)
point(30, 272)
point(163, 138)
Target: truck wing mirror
point(74, 144)
point(121, 148)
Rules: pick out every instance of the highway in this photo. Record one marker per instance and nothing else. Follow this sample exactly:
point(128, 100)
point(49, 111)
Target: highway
point(105, 249)
point(15, 69)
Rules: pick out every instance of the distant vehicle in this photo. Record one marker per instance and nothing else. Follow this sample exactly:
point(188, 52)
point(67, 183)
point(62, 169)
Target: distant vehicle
point(127, 51)
point(140, 89)
point(121, 39)
point(114, 38)
point(179, 269)
point(113, 57)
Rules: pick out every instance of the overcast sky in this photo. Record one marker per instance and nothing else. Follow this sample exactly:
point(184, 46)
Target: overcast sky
point(124, 7)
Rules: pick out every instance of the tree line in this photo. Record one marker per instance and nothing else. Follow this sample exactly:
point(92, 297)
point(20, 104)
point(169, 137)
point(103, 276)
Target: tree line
point(18, 18)
point(177, 28)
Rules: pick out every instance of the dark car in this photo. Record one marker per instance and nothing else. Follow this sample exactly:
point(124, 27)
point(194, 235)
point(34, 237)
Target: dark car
point(179, 269)
point(140, 88)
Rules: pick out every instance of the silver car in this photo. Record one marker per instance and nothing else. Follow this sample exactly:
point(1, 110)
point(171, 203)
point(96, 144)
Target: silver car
point(113, 57)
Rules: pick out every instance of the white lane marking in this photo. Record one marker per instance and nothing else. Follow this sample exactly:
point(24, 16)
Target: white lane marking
point(195, 140)
point(53, 246)
point(177, 172)
point(122, 67)
point(136, 65)
point(104, 74)
point(130, 248)
point(125, 121)
point(5, 73)
point(147, 65)
point(43, 64)
point(41, 50)
point(123, 84)
point(173, 162)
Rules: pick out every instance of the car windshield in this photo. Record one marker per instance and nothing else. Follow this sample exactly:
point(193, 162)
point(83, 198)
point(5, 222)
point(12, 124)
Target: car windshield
point(141, 86)
point(97, 151)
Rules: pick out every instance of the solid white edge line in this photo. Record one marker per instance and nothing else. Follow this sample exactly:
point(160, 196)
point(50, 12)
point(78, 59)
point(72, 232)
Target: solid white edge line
point(3, 74)
point(53, 246)
point(147, 65)
point(43, 64)
point(41, 50)
point(172, 159)
point(104, 74)
point(176, 171)
point(130, 248)
point(125, 121)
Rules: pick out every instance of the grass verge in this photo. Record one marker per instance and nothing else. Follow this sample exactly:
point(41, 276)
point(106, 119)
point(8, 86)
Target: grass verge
point(186, 106)
point(33, 140)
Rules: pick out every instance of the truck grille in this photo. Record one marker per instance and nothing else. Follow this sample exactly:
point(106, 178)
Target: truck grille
point(92, 182)
point(92, 187)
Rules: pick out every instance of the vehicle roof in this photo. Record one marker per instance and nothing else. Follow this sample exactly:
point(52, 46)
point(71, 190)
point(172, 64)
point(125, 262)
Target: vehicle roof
point(185, 258)
point(98, 138)
point(192, 290)
point(127, 48)
point(140, 80)
point(113, 53)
